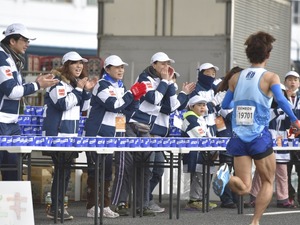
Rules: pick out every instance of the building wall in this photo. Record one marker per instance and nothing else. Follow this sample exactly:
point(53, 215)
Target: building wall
point(76, 24)
point(145, 17)
point(252, 16)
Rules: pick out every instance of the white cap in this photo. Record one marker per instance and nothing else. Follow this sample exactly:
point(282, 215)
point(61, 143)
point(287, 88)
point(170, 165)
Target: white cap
point(206, 66)
point(196, 99)
point(292, 73)
point(72, 56)
point(114, 60)
point(161, 57)
point(18, 28)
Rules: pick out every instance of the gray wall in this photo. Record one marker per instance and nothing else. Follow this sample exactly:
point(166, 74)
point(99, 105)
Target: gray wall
point(270, 16)
point(188, 53)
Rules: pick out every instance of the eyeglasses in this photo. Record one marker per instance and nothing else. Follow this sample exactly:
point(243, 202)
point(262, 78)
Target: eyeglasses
point(24, 39)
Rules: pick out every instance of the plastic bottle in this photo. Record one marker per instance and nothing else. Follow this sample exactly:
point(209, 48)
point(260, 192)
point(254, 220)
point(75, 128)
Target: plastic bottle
point(66, 199)
point(48, 201)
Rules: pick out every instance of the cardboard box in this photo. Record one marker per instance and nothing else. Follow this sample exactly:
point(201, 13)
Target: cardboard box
point(83, 189)
point(41, 182)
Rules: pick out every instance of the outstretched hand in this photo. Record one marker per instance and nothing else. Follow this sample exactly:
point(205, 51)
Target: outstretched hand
point(90, 84)
point(188, 88)
point(46, 80)
point(81, 82)
point(295, 128)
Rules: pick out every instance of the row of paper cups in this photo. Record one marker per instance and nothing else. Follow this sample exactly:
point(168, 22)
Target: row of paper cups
point(110, 141)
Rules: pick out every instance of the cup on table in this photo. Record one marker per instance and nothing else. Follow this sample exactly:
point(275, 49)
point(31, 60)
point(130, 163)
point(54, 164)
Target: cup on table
point(27, 110)
point(295, 142)
point(37, 141)
point(100, 142)
point(85, 141)
point(39, 111)
point(134, 142)
point(111, 142)
point(46, 141)
point(159, 142)
point(223, 141)
point(285, 142)
point(172, 142)
point(6, 140)
point(145, 142)
point(56, 142)
point(153, 142)
point(77, 142)
point(30, 141)
point(203, 142)
point(180, 142)
point(165, 142)
point(92, 142)
point(213, 142)
point(16, 140)
point(122, 142)
point(193, 142)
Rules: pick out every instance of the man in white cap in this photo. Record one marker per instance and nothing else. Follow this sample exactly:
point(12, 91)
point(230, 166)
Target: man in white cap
point(292, 83)
point(13, 88)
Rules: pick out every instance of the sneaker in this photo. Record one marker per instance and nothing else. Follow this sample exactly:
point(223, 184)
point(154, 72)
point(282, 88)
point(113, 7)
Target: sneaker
point(229, 206)
point(221, 179)
point(146, 212)
point(67, 216)
point(194, 205)
point(122, 209)
point(197, 205)
point(155, 208)
point(212, 205)
point(91, 212)
point(286, 205)
point(108, 213)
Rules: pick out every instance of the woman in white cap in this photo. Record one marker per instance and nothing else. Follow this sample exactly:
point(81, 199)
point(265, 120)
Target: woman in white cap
point(13, 88)
point(109, 105)
point(64, 103)
point(292, 84)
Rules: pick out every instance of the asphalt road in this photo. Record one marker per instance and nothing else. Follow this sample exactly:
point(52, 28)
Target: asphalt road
point(222, 216)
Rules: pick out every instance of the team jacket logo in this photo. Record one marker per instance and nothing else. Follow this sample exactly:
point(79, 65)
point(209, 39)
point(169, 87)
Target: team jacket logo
point(111, 91)
point(61, 92)
point(8, 72)
point(149, 85)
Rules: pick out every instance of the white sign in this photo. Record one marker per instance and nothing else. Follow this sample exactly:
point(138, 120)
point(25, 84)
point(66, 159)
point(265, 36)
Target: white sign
point(16, 203)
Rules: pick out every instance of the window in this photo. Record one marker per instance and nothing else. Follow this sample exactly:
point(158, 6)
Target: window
point(296, 12)
point(91, 2)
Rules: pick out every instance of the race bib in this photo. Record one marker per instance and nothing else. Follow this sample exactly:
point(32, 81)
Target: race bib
point(245, 115)
point(120, 123)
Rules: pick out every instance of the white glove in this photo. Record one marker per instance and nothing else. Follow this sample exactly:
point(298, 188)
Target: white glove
point(217, 100)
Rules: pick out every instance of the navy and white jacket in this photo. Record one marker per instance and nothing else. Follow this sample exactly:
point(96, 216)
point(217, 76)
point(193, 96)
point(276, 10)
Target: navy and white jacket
point(12, 89)
point(278, 127)
point(63, 106)
point(208, 95)
point(194, 126)
point(151, 102)
point(108, 100)
point(170, 102)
